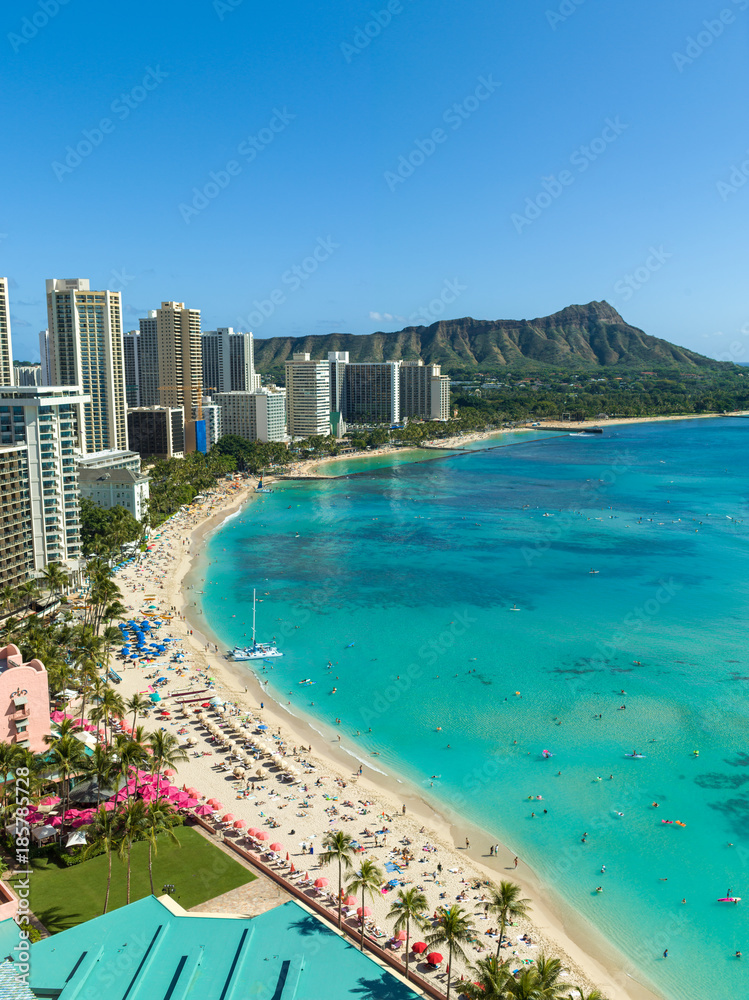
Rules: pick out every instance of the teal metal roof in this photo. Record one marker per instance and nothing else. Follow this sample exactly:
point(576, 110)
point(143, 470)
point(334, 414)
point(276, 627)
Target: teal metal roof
point(145, 952)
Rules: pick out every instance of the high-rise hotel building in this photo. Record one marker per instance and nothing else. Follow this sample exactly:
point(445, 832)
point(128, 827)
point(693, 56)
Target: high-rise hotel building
point(85, 348)
point(228, 361)
point(40, 437)
point(307, 397)
point(6, 347)
point(180, 362)
point(424, 391)
point(371, 392)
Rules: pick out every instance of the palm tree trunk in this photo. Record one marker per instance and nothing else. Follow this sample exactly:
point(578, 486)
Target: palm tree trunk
point(340, 896)
point(408, 938)
point(449, 969)
point(129, 848)
point(502, 925)
point(109, 878)
point(150, 866)
point(362, 918)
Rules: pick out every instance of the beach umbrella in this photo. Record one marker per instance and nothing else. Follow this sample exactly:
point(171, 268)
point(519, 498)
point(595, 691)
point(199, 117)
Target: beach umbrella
point(400, 936)
point(205, 810)
point(418, 947)
point(276, 847)
point(238, 772)
point(320, 883)
point(190, 804)
point(253, 831)
point(352, 901)
point(50, 800)
point(169, 772)
point(434, 958)
point(239, 824)
point(262, 836)
point(292, 870)
point(364, 911)
point(227, 818)
point(215, 803)
point(193, 793)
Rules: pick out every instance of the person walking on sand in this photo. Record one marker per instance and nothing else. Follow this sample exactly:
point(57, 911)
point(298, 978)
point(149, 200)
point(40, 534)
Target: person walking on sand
point(468, 843)
point(516, 862)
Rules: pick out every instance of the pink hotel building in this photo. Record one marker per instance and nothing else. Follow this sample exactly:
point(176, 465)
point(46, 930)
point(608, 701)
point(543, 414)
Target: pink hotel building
point(24, 700)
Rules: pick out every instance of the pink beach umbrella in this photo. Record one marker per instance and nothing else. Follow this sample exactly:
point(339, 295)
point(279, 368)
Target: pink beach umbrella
point(193, 793)
point(320, 883)
point(110, 806)
point(262, 836)
point(169, 772)
point(350, 901)
point(253, 831)
point(276, 847)
point(364, 911)
point(55, 820)
point(191, 803)
point(227, 818)
point(205, 810)
point(239, 824)
point(400, 936)
point(50, 800)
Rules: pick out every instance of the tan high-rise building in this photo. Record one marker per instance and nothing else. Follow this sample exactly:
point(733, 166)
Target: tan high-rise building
point(6, 347)
point(85, 350)
point(180, 362)
point(307, 397)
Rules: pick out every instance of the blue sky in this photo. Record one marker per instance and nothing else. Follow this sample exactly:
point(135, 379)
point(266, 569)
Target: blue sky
point(297, 169)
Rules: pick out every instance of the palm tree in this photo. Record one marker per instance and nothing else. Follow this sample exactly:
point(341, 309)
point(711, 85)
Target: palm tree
point(157, 817)
point(548, 971)
point(10, 758)
point(28, 591)
point(455, 929)
point(101, 765)
point(368, 879)
point(87, 677)
point(133, 817)
point(165, 752)
point(113, 707)
point(505, 903)
point(67, 757)
point(539, 982)
point(137, 705)
point(488, 980)
point(338, 846)
point(55, 578)
point(410, 905)
point(593, 995)
point(66, 727)
point(104, 832)
point(130, 756)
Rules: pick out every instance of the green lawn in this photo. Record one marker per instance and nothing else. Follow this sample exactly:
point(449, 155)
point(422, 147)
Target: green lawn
point(63, 897)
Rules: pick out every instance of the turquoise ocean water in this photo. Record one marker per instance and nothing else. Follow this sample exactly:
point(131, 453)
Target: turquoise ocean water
point(419, 566)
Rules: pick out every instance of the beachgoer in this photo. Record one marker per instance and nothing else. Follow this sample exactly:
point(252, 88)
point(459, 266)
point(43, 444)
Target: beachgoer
point(665, 953)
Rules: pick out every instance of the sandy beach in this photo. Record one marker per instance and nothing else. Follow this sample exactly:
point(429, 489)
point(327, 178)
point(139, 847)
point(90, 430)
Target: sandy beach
point(329, 792)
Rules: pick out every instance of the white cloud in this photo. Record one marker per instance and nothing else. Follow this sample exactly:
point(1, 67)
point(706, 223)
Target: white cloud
point(388, 317)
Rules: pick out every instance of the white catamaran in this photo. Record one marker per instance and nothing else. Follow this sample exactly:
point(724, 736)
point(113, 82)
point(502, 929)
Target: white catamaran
point(258, 650)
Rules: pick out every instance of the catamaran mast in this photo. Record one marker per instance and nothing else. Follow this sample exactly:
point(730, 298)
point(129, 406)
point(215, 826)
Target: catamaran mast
point(253, 616)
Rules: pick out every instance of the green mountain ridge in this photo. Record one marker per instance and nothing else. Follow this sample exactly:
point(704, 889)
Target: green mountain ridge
point(580, 336)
